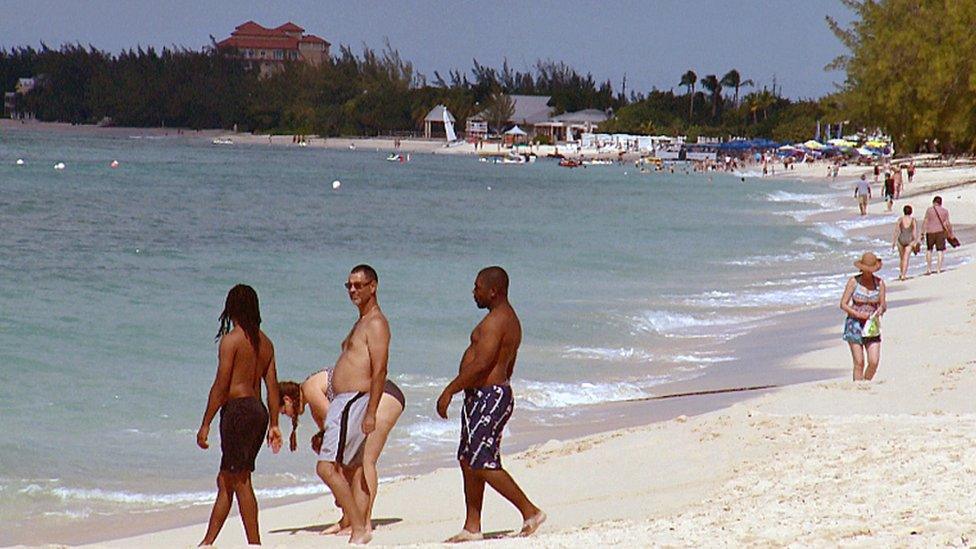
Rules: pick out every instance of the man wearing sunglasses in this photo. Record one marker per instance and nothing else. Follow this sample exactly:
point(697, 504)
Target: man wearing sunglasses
point(357, 381)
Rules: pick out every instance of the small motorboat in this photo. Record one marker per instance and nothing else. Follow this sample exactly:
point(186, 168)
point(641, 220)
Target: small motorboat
point(222, 141)
point(570, 163)
point(397, 157)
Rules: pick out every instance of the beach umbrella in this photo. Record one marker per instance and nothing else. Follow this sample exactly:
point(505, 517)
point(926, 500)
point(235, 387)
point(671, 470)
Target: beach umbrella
point(515, 130)
point(813, 145)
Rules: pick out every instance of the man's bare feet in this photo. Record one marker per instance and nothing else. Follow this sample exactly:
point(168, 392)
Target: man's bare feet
point(361, 539)
point(530, 525)
point(463, 536)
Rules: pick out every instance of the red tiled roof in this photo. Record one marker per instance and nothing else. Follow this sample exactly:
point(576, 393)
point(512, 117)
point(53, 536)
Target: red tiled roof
point(289, 27)
point(253, 29)
point(312, 39)
point(255, 42)
point(253, 35)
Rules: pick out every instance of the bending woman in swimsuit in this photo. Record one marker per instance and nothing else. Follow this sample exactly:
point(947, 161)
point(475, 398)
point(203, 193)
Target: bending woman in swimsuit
point(316, 392)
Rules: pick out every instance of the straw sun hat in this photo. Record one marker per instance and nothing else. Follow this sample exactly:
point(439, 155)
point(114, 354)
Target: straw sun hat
point(868, 262)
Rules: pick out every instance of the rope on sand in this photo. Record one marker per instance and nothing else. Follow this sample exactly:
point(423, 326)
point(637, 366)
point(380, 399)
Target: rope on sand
point(699, 393)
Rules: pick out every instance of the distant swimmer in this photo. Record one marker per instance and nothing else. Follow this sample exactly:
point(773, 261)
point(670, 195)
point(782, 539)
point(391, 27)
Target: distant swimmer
point(246, 357)
point(484, 376)
point(358, 381)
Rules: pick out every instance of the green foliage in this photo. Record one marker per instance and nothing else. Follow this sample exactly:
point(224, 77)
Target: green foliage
point(910, 70)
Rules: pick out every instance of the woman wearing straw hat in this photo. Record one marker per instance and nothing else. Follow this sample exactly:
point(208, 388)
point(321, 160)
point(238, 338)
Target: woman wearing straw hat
point(864, 302)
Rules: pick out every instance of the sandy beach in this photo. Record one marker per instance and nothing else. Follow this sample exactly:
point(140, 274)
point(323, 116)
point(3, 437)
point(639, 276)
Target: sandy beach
point(823, 464)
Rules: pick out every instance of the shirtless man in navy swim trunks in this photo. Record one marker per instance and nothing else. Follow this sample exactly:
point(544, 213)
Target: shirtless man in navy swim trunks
point(484, 375)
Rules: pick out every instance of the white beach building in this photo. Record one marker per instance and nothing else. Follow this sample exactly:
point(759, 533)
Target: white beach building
point(530, 110)
point(569, 126)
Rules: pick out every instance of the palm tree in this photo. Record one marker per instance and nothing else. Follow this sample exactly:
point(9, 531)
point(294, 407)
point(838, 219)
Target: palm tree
point(751, 102)
point(689, 79)
point(714, 87)
point(733, 80)
point(501, 108)
point(764, 100)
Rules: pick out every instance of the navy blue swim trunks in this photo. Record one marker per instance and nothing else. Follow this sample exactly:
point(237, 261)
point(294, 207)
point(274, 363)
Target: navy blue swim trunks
point(243, 424)
point(484, 415)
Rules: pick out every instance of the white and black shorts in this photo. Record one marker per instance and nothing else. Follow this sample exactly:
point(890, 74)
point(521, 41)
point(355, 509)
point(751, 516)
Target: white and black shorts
point(343, 437)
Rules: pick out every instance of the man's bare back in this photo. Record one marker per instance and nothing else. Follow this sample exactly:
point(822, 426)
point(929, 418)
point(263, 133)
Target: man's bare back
point(247, 369)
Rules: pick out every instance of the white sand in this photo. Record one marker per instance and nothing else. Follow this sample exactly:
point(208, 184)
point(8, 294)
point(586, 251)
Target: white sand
point(824, 464)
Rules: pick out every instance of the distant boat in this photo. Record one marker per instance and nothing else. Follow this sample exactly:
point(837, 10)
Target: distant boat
point(452, 138)
point(397, 157)
point(597, 162)
point(222, 141)
point(569, 163)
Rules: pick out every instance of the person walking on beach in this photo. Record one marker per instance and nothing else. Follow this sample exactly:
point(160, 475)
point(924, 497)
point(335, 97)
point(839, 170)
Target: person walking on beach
point(864, 302)
point(899, 181)
point(889, 190)
point(484, 375)
point(246, 356)
point(357, 381)
point(317, 392)
point(937, 229)
point(911, 170)
point(862, 192)
point(906, 238)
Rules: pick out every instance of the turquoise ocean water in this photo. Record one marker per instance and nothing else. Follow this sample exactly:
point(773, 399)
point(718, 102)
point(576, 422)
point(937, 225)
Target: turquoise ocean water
point(111, 281)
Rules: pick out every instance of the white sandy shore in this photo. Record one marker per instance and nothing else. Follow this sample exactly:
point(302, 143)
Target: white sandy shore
point(824, 464)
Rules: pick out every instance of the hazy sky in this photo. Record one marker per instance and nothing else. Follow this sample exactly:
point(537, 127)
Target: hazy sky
point(652, 42)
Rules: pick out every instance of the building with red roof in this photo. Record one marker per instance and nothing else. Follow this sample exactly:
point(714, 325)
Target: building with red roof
point(270, 49)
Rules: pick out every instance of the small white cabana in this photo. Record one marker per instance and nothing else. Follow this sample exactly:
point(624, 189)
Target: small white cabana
point(434, 122)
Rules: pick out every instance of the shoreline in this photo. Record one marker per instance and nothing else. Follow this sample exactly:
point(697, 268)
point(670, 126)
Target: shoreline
point(617, 417)
point(696, 469)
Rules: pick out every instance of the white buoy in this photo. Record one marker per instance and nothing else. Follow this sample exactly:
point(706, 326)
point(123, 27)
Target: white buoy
point(489, 187)
point(336, 184)
point(59, 166)
point(114, 164)
point(20, 161)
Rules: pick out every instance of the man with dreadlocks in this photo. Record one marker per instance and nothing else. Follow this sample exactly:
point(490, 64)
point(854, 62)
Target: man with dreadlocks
point(246, 356)
point(357, 381)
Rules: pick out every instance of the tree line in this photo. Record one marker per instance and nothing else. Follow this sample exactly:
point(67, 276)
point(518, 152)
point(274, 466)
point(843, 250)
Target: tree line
point(371, 93)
